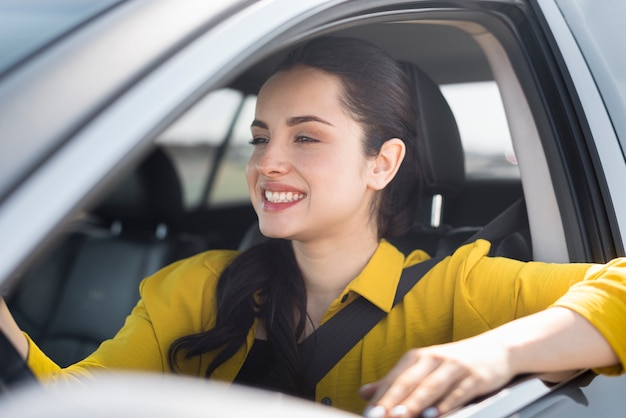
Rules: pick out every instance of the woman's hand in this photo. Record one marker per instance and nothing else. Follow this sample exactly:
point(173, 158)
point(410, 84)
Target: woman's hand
point(438, 379)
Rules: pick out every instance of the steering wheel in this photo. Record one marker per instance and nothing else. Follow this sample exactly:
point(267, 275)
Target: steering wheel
point(13, 368)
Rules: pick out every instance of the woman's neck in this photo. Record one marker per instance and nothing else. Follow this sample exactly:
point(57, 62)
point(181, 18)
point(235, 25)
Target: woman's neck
point(328, 266)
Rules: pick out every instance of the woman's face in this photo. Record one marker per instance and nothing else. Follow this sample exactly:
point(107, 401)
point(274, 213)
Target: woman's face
point(308, 175)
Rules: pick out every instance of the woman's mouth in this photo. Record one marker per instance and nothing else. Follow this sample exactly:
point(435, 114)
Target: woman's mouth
point(283, 197)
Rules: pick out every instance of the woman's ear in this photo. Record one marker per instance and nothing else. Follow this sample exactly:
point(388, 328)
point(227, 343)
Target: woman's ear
point(385, 165)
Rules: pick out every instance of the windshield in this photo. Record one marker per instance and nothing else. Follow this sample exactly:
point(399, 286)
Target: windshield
point(28, 25)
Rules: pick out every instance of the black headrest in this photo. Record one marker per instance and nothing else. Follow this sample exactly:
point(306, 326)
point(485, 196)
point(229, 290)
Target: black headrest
point(440, 151)
point(150, 195)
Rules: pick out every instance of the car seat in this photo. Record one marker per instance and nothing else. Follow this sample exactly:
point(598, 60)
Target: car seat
point(80, 294)
point(441, 155)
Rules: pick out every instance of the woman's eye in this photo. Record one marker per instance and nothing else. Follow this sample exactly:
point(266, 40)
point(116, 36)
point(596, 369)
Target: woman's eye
point(257, 140)
point(305, 139)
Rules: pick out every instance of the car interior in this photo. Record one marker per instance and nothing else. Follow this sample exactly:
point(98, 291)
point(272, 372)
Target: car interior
point(189, 195)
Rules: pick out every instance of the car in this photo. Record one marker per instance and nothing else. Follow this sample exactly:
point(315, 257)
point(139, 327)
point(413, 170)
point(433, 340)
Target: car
point(123, 140)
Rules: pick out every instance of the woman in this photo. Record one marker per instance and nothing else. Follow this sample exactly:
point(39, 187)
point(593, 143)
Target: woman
point(333, 174)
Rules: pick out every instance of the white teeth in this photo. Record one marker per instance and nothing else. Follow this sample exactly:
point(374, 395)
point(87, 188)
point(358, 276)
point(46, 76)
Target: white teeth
point(282, 197)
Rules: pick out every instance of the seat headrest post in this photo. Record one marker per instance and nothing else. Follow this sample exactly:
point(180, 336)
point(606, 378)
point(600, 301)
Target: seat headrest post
point(436, 211)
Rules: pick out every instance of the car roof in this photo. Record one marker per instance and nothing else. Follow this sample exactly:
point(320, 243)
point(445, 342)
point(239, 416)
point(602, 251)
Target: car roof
point(447, 53)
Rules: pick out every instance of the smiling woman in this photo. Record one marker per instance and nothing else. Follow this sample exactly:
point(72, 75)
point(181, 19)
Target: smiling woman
point(305, 135)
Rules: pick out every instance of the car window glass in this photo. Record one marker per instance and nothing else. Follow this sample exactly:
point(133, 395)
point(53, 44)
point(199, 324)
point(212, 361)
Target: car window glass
point(27, 25)
point(478, 110)
point(195, 140)
point(230, 183)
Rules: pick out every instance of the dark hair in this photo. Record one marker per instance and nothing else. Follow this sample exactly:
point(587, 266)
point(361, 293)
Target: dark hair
point(378, 93)
point(265, 280)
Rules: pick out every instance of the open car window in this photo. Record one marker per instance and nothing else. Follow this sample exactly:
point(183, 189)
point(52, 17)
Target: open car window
point(210, 146)
point(210, 143)
point(484, 129)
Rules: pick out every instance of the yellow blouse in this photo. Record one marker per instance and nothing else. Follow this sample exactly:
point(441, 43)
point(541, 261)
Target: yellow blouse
point(463, 295)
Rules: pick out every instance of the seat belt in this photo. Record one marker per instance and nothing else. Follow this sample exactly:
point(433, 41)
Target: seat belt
point(321, 350)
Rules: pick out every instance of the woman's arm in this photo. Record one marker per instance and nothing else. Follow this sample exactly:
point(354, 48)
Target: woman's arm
point(447, 376)
point(10, 328)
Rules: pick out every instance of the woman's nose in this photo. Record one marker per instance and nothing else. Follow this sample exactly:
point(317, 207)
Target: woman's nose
point(272, 159)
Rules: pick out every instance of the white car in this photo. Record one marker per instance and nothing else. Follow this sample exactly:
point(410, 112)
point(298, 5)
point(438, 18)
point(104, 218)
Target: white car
point(124, 129)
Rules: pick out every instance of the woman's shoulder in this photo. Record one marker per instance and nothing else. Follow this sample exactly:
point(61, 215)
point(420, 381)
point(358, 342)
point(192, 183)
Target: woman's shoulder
point(467, 252)
point(189, 275)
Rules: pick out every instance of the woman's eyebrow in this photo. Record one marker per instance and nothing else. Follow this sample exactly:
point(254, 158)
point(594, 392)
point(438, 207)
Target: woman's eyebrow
point(258, 124)
point(295, 120)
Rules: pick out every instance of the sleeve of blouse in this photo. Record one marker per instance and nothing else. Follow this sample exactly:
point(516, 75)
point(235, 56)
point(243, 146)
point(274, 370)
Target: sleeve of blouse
point(499, 290)
point(601, 299)
point(135, 347)
point(173, 303)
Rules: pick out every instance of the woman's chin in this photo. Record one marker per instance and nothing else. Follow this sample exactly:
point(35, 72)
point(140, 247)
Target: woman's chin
point(274, 232)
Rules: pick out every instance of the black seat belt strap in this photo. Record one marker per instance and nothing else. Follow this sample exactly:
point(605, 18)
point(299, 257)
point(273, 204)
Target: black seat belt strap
point(507, 222)
point(331, 342)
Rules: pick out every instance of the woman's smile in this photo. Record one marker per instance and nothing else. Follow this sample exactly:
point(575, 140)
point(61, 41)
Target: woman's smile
point(279, 196)
point(282, 197)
